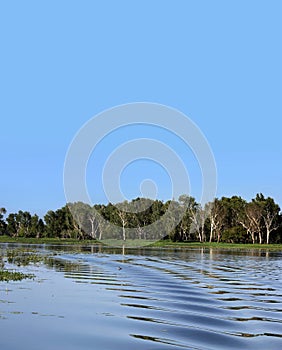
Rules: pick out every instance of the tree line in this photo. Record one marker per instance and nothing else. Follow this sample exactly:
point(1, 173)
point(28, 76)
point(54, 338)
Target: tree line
point(232, 220)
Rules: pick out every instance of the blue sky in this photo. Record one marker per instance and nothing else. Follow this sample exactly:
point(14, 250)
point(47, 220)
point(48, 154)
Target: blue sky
point(62, 62)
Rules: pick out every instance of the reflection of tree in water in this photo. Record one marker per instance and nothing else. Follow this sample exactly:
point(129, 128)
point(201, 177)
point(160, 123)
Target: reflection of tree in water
point(24, 257)
point(63, 265)
point(8, 275)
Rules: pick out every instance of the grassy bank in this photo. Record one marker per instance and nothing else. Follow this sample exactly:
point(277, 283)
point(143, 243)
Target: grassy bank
point(136, 243)
point(216, 245)
point(8, 239)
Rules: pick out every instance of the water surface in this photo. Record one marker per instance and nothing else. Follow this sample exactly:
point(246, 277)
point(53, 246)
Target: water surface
point(149, 298)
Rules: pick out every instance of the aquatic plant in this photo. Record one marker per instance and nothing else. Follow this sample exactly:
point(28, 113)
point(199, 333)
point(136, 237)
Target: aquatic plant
point(7, 276)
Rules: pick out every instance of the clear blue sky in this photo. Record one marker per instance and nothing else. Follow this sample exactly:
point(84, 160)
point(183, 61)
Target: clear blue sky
point(62, 62)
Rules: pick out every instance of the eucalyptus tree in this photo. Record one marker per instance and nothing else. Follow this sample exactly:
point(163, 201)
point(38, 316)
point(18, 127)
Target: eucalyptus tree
point(198, 217)
point(3, 224)
point(24, 220)
point(141, 215)
point(216, 214)
point(251, 220)
point(85, 219)
point(269, 213)
point(37, 227)
point(67, 226)
point(121, 216)
point(170, 225)
point(60, 223)
point(227, 219)
point(52, 228)
point(190, 222)
point(12, 225)
point(234, 207)
point(21, 224)
point(103, 214)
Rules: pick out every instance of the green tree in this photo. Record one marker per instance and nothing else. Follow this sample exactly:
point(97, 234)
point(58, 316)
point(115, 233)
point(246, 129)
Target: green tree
point(190, 221)
point(234, 207)
point(51, 224)
point(252, 220)
point(24, 220)
point(217, 215)
point(37, 227)
point(235, 234)
point(19, 224)
point(122, 216)
point(270, 214)
point(86, 219)
point(12, 225)
point(141, 215)
point(60, 223)
point(2, 221)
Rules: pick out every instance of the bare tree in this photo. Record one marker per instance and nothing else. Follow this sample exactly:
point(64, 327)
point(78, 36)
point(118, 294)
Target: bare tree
point(217, 216)
point(270, 223)
point(123, 216)
point(86, 219)
point(95, 224)
point(251, 220)
point(192, 220)
point(198, 217)
point(270, 216)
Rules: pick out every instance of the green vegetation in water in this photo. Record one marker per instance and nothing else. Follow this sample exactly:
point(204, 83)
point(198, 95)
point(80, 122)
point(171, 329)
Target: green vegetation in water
point(23, 257)
point(7, 276)
point(18, 257)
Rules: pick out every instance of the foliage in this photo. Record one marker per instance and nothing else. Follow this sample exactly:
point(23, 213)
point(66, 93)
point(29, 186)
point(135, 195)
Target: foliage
point(7, 276)
point(2, 221)
point(232, 220)
point(235, 234)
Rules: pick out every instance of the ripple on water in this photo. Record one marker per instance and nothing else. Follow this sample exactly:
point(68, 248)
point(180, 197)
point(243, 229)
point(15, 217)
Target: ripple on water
point(148, 300)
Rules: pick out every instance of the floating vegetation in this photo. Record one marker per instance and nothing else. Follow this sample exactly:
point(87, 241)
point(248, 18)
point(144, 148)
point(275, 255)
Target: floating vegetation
point(22, 257)
point(7, 276)
point(13, 257)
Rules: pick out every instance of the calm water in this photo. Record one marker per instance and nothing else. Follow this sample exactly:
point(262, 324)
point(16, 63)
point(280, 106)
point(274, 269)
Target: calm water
point(88, 298)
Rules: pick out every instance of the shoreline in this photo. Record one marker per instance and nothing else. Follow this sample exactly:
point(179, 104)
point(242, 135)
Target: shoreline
point(157, 244)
